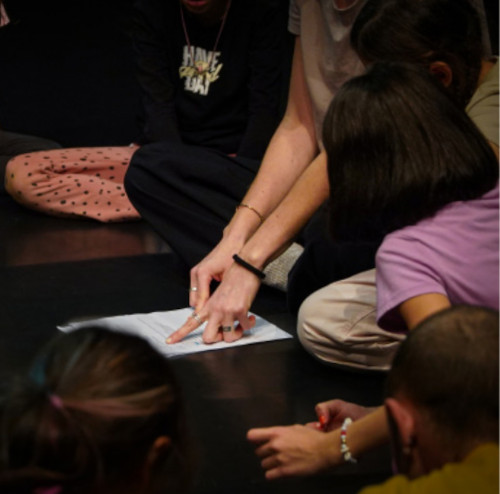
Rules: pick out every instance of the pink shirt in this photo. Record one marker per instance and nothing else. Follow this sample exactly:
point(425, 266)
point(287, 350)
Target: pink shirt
point(454, 253)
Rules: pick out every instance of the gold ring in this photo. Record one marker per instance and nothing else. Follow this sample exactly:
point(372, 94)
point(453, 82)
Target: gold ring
point(196, 317)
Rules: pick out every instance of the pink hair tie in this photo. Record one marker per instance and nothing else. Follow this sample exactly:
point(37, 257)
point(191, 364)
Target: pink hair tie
point(57, 403)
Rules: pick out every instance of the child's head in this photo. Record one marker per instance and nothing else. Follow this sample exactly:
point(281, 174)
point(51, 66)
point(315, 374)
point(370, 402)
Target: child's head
point(100, 410)
point(399, 149)
point(442, 390)
point(444, 36)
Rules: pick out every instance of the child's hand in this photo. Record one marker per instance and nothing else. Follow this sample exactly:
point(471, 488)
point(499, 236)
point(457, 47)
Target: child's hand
point(295, 450)
point(332, 413)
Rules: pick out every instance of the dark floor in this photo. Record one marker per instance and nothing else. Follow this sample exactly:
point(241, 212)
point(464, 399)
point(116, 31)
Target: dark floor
point(53, 270)
point(66, 74)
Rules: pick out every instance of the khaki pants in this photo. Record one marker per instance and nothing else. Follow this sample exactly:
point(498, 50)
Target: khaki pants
point(337, 324)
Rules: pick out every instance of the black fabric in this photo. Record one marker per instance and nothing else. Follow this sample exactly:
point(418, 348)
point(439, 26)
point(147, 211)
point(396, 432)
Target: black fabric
point(241, 108)
point(187, 193)
point(325, 261)
point(67, 72)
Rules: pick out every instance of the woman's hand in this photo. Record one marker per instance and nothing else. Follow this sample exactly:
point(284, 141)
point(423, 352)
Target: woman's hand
point(296, 450)
point(229, 303)
point(332, 413)
point(212, 267)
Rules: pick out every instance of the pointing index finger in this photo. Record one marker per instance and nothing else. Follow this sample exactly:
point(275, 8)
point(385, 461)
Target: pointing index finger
point(190, 325)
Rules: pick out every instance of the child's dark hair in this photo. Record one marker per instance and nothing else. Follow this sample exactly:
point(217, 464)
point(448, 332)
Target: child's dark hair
point(399, 149)
point(423, 31)
point(448, 368)
point(88, 414)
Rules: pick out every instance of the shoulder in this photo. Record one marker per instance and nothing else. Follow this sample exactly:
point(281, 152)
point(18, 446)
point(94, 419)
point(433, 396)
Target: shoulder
point(477, 473)
point(396, 485)
point(483, 106)
point(399, 244)
point(465, 222)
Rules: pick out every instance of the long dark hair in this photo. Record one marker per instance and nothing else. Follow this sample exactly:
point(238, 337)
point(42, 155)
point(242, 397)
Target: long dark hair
point(399, 149)
point(423, 31)
point(88, 415)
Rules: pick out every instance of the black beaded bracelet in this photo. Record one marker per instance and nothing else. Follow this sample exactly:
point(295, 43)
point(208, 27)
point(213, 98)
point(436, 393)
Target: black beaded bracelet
point(249, 267)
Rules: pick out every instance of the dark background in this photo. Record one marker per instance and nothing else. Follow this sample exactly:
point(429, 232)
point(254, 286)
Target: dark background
point(67, 73)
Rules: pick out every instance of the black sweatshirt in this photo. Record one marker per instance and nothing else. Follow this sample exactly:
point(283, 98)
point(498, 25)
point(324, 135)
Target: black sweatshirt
point(235, 107)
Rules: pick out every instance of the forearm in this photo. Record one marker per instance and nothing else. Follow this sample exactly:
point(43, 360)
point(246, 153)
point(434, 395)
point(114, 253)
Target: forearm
point(291, 150)
point(362, 435)
point(283, 163)
point(285, 222)
point(368, 432)
point(300, 450)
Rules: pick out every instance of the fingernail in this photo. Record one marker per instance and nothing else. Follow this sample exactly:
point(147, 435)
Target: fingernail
point(168, 340)
point(322, 420)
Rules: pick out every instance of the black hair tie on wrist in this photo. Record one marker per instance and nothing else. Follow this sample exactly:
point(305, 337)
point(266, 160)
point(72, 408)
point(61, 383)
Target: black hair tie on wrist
point(249, 267)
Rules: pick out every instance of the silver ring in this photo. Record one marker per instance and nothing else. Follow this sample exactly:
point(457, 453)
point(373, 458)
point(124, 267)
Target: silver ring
point(196, 317)
point(193, 289)
point(227, 329)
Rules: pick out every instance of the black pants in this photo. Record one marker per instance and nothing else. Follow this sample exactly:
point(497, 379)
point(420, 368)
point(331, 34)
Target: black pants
point(189, 194)
point(12, 144)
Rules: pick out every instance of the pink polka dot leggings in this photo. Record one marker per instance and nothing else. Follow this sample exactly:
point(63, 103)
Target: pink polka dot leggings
point(85, 182)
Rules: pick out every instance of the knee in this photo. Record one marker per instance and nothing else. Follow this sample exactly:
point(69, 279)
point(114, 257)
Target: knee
point(143, 165)
point(137, 179)
point(311, 324)
point(133, 175)
point(343, 332)
point(153, 164)
point(18, 181)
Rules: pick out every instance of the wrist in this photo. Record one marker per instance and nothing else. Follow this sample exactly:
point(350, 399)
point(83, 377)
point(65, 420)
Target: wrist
point(345, 450)
point(238, 231)
point(234, 238)
point(254, 254)
point(331, 450)
point(245, 221)
point(249, 267)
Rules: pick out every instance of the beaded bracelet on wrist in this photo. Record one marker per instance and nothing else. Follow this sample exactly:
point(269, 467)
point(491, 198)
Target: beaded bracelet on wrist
point(344, 449)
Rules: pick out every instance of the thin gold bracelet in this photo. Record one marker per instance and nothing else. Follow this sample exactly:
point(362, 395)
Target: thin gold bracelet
point(243, 205)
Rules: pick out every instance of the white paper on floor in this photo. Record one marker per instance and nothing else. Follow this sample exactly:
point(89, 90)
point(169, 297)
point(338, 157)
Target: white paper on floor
point(156, 327)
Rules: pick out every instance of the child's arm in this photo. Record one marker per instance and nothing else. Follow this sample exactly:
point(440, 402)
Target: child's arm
point(416, 309)
point(301, 450)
